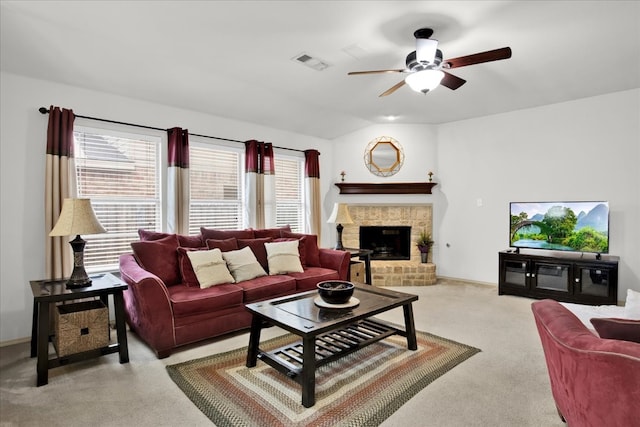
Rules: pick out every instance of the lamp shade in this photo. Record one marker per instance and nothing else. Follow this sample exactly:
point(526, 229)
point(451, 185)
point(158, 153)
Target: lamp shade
point(425, 80)
point(340, 214)
point(77, 217)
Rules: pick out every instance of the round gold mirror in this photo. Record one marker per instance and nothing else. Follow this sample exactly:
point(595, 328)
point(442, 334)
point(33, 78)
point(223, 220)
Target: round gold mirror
point(384, 156)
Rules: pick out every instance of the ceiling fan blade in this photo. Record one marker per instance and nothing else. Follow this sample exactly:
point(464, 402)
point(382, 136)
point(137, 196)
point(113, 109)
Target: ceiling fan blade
point(479, 58)
point(451, 81)
point(357, 73)
point(392, 89)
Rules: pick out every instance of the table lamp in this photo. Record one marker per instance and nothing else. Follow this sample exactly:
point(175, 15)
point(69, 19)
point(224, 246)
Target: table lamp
point(77, 217)
point(340, 215)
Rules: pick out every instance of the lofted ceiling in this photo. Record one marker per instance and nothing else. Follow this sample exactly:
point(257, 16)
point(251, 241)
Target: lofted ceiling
point(234, 58)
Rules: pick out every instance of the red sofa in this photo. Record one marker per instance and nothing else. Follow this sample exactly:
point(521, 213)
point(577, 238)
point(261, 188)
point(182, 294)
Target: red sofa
point(167, 311)
point(594, 381)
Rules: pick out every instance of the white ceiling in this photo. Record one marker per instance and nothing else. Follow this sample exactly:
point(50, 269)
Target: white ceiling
point(233, 58)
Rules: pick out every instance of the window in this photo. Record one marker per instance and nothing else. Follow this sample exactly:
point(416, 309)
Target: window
point(216, 187)
point(290, 206)
point(120, 173)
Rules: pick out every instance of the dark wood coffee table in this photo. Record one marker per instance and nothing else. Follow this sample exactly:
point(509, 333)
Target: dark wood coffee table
point(327, 333)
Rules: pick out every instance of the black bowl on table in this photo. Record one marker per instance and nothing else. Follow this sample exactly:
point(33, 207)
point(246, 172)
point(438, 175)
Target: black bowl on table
point(335, 291)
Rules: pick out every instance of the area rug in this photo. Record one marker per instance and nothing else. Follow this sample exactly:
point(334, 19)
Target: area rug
point(361, 389)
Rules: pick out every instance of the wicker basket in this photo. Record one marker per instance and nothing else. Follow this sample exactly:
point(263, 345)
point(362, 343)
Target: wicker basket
point(81, 327)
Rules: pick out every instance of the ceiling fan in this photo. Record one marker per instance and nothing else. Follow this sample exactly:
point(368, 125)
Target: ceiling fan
point(426, 68)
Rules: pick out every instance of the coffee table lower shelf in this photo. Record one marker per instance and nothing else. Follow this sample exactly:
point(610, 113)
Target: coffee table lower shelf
point(330, 346)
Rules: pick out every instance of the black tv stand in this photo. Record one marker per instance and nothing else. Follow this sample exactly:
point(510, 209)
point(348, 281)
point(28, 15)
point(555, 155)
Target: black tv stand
point(567, 277)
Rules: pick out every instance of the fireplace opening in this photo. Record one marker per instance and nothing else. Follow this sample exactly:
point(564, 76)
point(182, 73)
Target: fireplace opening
point(387, 242)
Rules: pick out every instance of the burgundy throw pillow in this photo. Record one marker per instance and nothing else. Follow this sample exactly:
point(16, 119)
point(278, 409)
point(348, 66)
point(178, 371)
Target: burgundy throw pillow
point(159, 257)
point(187, 274)
point(210, 233)
point(190, 241)
point(184, 241)
point(617, 329)
point(302, 247)
point(312, 254)
point(148, 235)
point(274, 233)
point(258, 249)
point(224, 245)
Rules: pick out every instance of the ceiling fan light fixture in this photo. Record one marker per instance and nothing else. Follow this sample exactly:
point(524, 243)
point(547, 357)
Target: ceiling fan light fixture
point(425, 80)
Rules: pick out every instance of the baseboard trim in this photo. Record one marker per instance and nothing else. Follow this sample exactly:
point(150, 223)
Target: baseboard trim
point(467, 281)
point(15, 341)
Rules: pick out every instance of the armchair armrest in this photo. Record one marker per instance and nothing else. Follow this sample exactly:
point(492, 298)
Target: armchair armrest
point(147, 305)
point(335, 260)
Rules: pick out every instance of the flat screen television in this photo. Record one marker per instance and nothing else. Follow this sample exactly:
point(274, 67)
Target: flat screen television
point(560, 226)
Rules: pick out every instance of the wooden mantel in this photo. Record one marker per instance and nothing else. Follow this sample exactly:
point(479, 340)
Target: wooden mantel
point(386, 188)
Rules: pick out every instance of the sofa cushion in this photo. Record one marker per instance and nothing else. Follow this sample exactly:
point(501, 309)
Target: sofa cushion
point(267, 287)
point(225, 245)
point(159, 257)
point(258, 249)
point(187, 275)
point(617, 329)
point(243, 264)
point(311, 276)
point(210, 233)
point(274, 233)
point(183, 240)
point(312, 255)
point(283, 257)
point(187, 301)
point(210, 268)
point(302, 246)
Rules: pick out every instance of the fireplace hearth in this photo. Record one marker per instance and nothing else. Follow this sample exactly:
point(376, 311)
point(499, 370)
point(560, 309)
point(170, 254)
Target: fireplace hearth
point(389, 242)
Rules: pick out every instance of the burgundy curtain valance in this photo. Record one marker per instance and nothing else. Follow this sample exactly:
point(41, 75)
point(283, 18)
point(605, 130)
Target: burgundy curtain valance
point(312, 163)
point(60, 132)
point(259, 157)
point(178, 140)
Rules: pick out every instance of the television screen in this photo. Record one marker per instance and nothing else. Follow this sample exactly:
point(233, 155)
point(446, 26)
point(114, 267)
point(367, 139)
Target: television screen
point(562, 226)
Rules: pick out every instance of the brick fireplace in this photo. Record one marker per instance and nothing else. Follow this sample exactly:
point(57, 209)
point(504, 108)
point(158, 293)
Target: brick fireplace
point(394, 273)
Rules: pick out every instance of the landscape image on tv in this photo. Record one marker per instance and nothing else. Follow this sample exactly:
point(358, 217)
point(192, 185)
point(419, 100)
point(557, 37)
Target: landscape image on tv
point(563, 226)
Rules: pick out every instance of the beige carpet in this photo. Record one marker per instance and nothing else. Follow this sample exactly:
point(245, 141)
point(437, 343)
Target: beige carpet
point(505, 385)
point(361, 389)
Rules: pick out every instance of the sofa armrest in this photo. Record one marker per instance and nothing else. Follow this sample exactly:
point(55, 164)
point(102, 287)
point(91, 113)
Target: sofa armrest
point(335, 260)
point(147, 305)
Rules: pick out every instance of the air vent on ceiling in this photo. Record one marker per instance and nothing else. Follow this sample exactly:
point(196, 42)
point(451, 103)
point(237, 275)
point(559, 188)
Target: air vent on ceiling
point(310, 61)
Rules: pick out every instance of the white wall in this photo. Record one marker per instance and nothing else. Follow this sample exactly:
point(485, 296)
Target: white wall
point(23, 142)
point(582, 150)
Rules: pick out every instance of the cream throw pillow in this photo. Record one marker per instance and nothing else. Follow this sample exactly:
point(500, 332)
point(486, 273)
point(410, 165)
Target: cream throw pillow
point(209, 267)
point(243, 264)
point(632, 305)
point(283, 257)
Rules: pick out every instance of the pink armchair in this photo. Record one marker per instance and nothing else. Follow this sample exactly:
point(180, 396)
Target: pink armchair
point(594, 381)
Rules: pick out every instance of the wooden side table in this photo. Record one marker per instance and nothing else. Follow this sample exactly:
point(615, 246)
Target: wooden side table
point(365, 255)
point(46, 293)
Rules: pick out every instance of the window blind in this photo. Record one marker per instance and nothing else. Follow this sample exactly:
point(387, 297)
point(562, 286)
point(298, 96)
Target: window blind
point(289, 192)
point(216, 190)
point(120, 174)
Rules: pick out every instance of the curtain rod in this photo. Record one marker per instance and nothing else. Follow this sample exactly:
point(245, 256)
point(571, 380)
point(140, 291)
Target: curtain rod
point(44, 110)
